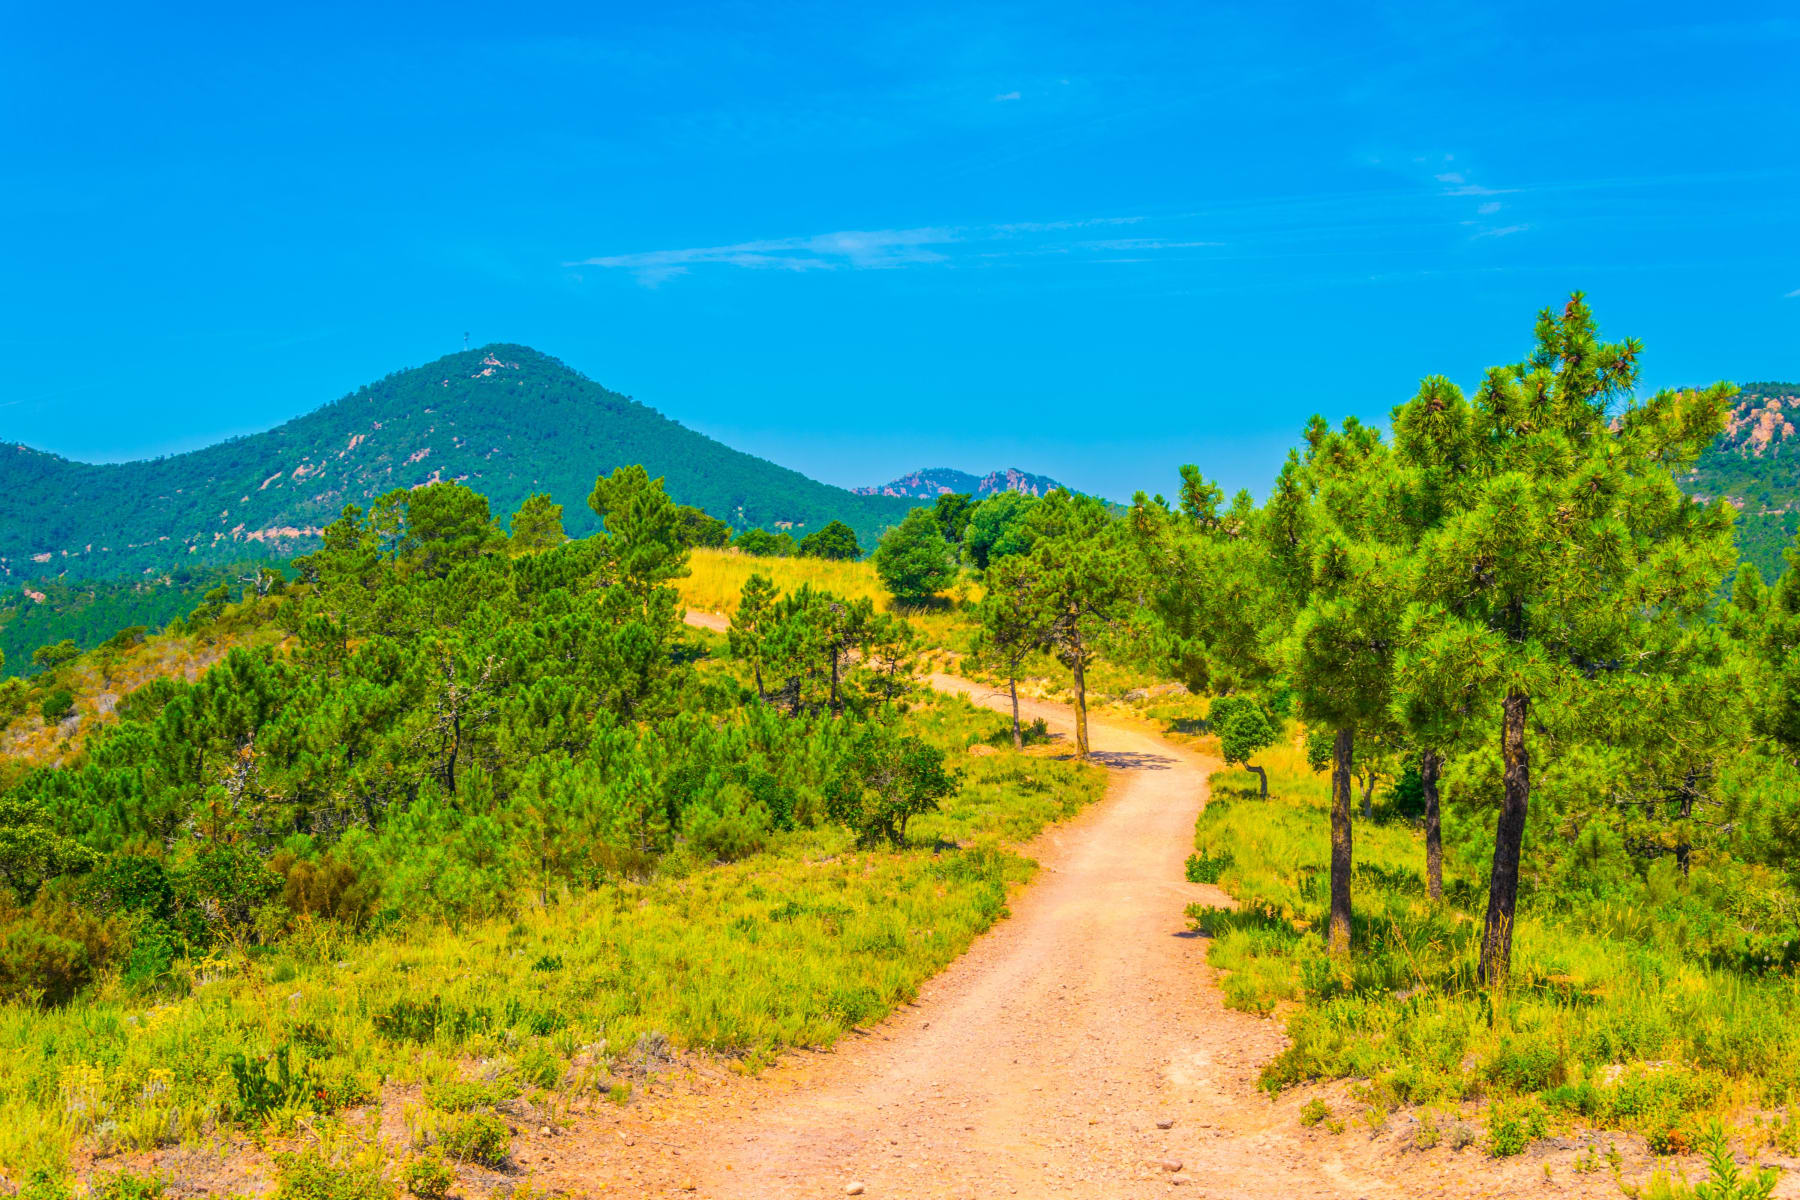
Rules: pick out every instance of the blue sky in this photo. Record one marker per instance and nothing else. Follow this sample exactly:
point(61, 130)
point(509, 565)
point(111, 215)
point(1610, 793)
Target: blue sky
point(1095, 241)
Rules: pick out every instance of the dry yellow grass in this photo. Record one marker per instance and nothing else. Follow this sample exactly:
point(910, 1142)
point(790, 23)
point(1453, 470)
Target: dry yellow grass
point(716, 577)
point(100, 681)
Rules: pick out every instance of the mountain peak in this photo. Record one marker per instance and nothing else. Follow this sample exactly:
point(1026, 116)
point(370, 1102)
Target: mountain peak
point(505, 419)
point(930, 482)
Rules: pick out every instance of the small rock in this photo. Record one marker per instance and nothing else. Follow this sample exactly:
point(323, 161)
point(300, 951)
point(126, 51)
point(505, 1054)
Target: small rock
point(1166, 1123)
point(545, 1131)
point(854, 1188)
point(1171, 1164)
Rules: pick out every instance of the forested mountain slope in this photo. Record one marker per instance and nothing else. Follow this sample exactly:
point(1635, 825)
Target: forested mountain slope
point(506, 419)
point(1756, 465)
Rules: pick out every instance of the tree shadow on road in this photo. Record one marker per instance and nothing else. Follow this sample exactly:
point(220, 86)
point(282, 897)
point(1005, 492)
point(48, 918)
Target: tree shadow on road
point(1128, 760)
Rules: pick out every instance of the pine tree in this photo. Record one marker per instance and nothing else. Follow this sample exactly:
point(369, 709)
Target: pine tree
point(538, 525)
point(1012, 624)
point(1565, 556)
point(750, 626)
point(1079, 559)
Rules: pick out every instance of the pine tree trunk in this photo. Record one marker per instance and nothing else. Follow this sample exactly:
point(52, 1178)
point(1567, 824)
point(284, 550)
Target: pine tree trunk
point(1429, 765)
point(1081, 728)
point(1509, 839)
point(1342, 751)
point(756, 668)
point(1262, 780)
point(1684, 850)
point(837, 705)
point(1012, 686)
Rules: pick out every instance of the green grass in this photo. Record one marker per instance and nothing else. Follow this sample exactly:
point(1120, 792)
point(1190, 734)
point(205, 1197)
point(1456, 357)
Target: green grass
point(1610, 1019)
point(790, 947)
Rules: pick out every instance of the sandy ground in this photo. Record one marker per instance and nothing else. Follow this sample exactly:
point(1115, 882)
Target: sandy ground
point(1078, 1049)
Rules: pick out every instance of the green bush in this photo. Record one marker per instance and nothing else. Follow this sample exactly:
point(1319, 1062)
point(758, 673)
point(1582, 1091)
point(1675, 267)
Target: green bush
point(52, 952)
point(127, 1185)
point(312, 1175)
point(465, 1095)
point(477, 1137)
point(1206, 867)
point(429, 1177)
point(58, 705)
point(887, 780)
point(1514, 1125)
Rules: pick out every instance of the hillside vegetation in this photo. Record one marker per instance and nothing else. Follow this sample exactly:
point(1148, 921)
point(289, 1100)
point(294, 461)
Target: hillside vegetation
point(1755, 464)
point(472, 823)
point(446, 800)
point(507, 420)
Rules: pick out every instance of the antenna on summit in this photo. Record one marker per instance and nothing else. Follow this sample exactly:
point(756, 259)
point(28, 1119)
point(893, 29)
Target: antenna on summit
point(465, 340)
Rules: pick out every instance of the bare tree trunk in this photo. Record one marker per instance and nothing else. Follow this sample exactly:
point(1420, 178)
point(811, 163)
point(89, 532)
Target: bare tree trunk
point(1262, 777)
point(1684, 850)
point(1429, 765)
point(1081, 728)
point(1342, 751)
point(1012, 686)
point(1509, 840)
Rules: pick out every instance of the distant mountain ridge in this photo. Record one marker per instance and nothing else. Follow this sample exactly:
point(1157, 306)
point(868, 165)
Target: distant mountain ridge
point(1755, 464)
point(505, 419)
point(937, 481)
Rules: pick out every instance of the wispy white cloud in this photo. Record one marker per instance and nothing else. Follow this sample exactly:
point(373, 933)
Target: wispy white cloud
point(1488, 209)
point(1793, 295)
point(1451, 177)
point(1004, 96)
point(1503, 231)
point(878, 249)
point(861, 249)
point(1473, 189)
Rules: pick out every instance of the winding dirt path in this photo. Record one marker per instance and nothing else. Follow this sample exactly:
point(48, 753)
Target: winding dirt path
point(1078, 1049)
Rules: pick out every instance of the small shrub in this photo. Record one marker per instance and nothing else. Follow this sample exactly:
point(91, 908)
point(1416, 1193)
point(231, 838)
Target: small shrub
point(1462, 1135)
point(1206, 867)
point(58, 705)
point(1314, 1111)
point(477, 1137)
point(1427, 1134)
point(1786, 1136)
point(1724, 1180)
point(541, 1067)
point(312, 1175)
point(44, 1184)
point(1514, 1126)
point(127, 1185)
point(53, 952)
point(1031, 733)
point(429, 1177)
point(467, 1095)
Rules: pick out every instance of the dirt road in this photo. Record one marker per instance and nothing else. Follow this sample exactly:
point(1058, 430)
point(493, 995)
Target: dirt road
point(1078, 1049)
point(1043, 1061)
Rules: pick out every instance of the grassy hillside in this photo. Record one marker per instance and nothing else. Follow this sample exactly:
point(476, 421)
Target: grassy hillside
point(463, 837)
point(504, 419)
point(1756, 465)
